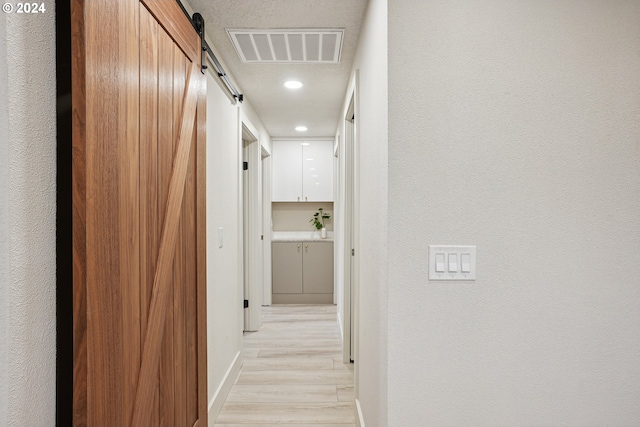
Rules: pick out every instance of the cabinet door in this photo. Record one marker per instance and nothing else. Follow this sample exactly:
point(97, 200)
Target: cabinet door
point(287, 171)
point(317, 268)
point(317, 171)
point(286, 267)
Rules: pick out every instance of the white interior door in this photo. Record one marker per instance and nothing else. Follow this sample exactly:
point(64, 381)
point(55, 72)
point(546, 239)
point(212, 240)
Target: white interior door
point(245, 232)
point(252, 251)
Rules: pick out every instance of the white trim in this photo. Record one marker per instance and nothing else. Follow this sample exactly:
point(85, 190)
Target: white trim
point(355, 296)
point(220, 395)
point(348, 242)
point(338, 257)
point(266, 227)
point(358, 414)
point(266, 150)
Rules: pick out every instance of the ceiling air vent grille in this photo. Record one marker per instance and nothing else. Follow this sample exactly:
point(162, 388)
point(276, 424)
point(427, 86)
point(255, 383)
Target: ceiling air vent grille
point(262, 45)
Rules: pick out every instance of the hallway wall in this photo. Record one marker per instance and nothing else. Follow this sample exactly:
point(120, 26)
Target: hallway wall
point(225, 320)
point(514, 126)
point(5, 224)
point(27, 219)
point(224, 293)
point(371, 114)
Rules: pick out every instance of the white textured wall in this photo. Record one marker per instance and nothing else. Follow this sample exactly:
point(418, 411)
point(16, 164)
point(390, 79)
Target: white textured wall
point(294, 216)
point(27, 219)
point(5, 226)
point(224, 293)
point(371, 117)
point(225, 319)
point(514, 126)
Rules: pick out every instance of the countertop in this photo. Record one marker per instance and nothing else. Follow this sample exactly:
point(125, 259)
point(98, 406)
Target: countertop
point(300, 236)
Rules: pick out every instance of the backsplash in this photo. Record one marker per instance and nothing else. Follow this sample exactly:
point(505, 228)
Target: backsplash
point(295, 216)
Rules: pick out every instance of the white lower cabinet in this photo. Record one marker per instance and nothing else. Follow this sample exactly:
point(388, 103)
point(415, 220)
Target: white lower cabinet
point(302, 272)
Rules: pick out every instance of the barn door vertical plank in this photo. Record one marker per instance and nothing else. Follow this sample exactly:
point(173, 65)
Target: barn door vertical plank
point(181, 68)
point(166, 144)
point(149, 221)
point(105, 371)
point(129, 196)
point(191, 380)
point(112, 240)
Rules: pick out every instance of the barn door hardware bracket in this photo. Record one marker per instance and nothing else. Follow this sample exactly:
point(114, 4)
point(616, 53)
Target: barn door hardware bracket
point(246, 303)
point(206, 49)
point(198, 23)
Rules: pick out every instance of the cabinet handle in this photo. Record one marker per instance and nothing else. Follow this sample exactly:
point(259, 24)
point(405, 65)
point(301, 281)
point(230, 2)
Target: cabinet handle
point(306, 246)
point(298, 246)
point(298, 198)
point(305, 198)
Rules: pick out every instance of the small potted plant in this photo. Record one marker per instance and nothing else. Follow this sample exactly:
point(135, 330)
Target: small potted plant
point(318, 222)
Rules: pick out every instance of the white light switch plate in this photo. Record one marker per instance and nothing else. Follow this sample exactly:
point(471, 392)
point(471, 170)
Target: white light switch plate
point(442, 252)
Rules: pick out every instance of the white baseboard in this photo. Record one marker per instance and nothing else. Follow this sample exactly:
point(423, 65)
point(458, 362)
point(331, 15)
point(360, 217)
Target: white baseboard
point(216, 402)
point(359, 417)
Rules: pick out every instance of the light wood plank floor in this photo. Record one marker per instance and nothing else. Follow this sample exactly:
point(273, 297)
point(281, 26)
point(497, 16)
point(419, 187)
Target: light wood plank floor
point(293, 373)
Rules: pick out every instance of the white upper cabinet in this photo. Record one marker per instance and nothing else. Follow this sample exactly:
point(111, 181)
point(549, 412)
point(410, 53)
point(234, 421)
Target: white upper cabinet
point(286, 164)
point(317, 171)
point(302, 171)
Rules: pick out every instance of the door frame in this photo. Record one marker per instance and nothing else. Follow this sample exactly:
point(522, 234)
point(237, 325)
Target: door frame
point(350, 230)
point(266, 225)
point(250, 233)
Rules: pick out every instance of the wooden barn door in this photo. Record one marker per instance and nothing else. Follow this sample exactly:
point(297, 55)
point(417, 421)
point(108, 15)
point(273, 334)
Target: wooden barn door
point(139, 216)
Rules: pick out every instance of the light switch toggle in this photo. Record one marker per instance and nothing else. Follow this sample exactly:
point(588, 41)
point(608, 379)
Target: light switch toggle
point(453, 263)
point(440, 263)
point(465, 263)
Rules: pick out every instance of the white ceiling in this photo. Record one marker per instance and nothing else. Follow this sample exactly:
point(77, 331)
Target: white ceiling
point(319, 103)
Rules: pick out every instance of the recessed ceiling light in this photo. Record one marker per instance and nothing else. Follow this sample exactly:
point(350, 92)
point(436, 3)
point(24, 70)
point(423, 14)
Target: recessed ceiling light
point(293, 84)
point(301, 128)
